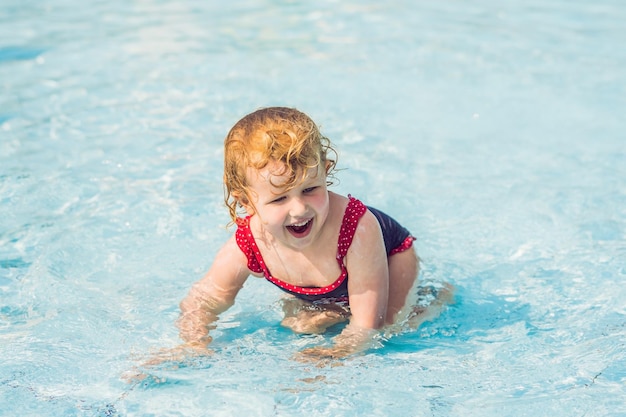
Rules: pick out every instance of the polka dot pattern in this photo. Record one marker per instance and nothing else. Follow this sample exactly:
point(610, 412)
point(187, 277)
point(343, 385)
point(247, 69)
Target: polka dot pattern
point(406, 244)
point(245, 240)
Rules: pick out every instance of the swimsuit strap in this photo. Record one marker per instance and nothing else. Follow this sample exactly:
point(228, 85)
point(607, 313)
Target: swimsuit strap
point(248, 246)
point(354, 211)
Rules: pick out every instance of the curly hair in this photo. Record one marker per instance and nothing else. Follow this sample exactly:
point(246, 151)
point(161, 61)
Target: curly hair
point(279, 134)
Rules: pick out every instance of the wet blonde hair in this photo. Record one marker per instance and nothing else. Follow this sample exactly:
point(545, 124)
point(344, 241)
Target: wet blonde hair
point(278, 134)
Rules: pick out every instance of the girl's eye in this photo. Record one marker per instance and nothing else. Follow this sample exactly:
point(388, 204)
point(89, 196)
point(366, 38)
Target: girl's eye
point(278, 200)
point(309, 190)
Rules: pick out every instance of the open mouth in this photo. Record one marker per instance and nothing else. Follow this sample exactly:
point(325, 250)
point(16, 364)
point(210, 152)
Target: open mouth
point(300, 229)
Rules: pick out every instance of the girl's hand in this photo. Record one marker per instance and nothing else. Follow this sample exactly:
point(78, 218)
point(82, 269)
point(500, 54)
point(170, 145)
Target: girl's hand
point(177, 354)
point(321, 352)
point(350, 341)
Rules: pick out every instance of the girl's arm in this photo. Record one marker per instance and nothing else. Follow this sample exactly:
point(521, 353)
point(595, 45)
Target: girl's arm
point(368, 288)
point(212, 295)
point(209, 297)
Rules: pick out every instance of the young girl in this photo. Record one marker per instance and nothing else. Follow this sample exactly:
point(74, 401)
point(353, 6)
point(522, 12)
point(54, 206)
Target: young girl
point(337, 258)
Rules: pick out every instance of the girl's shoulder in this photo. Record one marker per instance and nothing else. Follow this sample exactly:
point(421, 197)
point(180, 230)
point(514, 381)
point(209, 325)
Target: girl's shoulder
point(354, 213)
point(345, 206)
point(337, 202)
point(350, 214)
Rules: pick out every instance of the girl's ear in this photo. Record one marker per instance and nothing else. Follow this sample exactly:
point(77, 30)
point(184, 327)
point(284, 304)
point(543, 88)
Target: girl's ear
point(244, 201)
point(328, 164)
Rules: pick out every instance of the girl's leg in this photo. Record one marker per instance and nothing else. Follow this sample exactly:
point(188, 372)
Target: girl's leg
point(441, 297)
point(303, 317)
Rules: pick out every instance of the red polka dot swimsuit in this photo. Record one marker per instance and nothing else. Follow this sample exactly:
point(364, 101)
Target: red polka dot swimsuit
point(338, 290)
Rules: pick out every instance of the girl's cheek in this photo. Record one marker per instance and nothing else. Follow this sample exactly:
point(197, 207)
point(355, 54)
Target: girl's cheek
point(322, 199)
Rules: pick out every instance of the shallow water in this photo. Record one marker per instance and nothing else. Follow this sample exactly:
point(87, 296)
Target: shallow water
point(494, 131)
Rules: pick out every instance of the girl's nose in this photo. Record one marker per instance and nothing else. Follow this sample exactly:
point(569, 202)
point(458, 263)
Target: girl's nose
point(297, 207)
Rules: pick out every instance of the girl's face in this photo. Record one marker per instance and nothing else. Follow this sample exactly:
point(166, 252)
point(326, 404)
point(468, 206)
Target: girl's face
point(296, 217)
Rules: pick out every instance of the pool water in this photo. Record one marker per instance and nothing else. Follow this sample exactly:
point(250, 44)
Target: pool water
point(493, 130)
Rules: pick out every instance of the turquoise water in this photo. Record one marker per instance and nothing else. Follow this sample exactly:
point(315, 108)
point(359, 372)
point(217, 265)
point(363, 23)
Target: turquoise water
point(493, 130)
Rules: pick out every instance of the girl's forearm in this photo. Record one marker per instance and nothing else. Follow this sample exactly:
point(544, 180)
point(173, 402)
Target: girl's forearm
point(199, 312)
point(194, 327)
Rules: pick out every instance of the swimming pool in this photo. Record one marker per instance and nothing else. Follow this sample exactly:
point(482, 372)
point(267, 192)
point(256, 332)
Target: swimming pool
point(493, 130)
